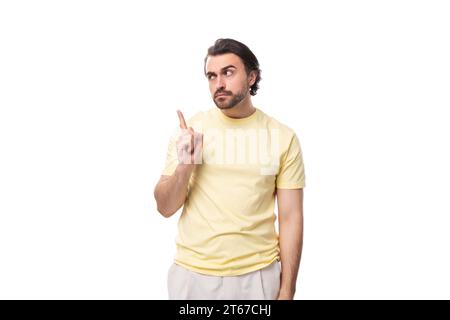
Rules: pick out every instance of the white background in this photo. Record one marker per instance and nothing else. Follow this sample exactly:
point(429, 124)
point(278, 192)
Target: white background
point(88, 98)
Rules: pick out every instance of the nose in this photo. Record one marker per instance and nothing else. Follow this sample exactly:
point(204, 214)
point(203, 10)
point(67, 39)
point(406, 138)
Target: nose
point(220, 83)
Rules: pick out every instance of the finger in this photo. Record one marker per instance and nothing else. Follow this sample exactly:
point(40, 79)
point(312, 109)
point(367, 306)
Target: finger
point(192, 139)
point(182, 121)
point(191, 131)
point(198, 153)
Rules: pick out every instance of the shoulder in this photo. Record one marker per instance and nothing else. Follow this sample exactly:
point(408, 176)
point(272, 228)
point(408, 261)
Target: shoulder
point(273, 123)
point(287, 136)
point(197, 116)
point(197, 120)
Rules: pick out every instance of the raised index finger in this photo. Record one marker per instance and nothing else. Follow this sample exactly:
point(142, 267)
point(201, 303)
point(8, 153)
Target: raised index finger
point(182, 122)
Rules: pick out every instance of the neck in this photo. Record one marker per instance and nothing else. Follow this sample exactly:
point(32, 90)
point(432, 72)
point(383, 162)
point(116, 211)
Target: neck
point(243, 109)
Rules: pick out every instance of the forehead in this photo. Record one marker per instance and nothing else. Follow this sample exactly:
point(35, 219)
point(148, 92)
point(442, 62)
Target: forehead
point(216, 63)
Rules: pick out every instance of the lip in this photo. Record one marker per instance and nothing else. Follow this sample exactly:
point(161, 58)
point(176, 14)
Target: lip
point(221, 95)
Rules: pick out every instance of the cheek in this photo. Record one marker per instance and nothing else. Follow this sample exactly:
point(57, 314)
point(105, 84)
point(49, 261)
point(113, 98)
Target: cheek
point(240, 82)
point(232, 84)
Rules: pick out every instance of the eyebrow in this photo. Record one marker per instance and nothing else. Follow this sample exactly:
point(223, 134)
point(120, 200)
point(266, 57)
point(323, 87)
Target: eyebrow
point(224, 68)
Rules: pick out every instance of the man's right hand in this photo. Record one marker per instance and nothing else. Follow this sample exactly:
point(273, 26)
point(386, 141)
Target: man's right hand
point(189, 144)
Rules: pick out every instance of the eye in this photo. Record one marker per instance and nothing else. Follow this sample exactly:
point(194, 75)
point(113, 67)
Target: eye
point(229, 72)
point(210, 76)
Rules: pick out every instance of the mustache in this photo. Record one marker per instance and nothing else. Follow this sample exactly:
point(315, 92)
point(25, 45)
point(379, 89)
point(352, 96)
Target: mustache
point(222, 92)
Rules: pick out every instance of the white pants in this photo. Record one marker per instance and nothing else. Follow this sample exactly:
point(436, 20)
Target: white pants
point(263, 284)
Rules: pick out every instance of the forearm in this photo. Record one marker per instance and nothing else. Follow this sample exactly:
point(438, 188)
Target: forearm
point(171, 194)
point(291, 242)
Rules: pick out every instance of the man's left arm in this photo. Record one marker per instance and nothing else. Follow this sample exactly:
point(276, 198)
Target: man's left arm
point(290, 222)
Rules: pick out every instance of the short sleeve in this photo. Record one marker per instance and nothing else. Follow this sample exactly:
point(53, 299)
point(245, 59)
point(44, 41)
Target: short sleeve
point(171, 157)
point(292, 172)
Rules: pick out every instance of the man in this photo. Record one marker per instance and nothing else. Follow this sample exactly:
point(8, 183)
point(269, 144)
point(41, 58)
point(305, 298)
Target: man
point(225, 166)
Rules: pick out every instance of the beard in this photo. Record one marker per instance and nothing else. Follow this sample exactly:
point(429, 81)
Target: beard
point(231, 100)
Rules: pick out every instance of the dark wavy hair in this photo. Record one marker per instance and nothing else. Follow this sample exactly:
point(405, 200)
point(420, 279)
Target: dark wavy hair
point(222, 46)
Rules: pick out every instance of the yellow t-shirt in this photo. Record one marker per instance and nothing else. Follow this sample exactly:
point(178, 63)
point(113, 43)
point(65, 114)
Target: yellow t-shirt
point(227, 226)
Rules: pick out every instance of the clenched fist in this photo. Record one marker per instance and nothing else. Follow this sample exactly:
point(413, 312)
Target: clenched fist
point(189, 144)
